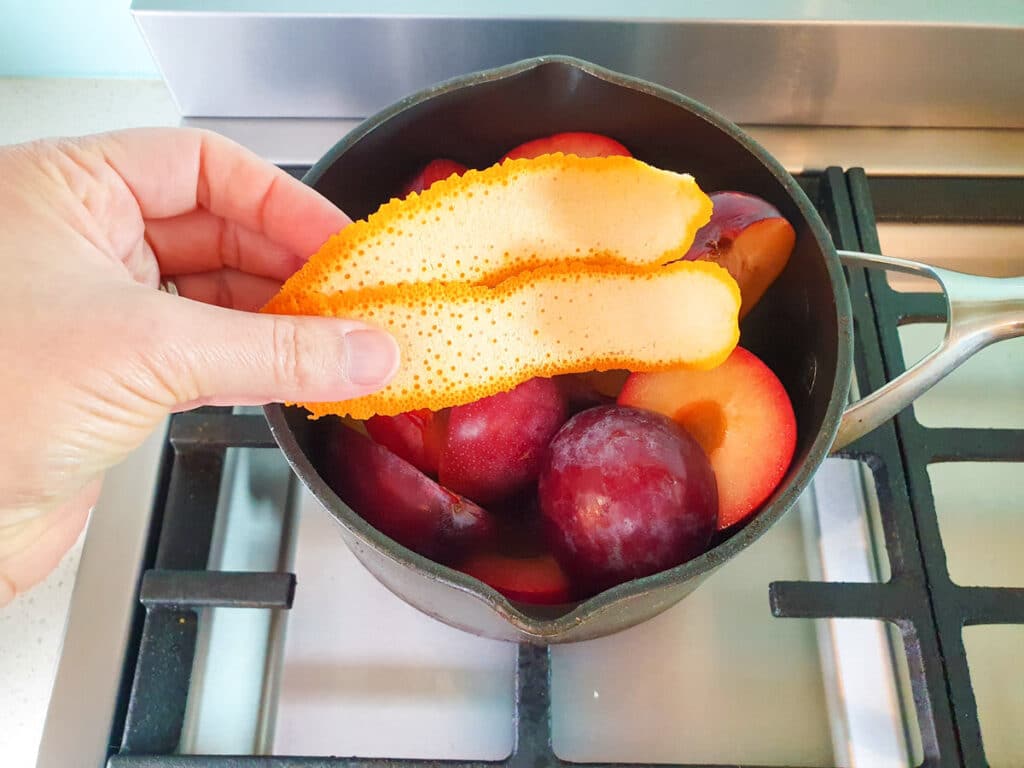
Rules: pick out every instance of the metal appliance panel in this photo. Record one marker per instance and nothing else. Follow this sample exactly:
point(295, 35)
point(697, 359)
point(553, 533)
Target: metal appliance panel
point(797, 67)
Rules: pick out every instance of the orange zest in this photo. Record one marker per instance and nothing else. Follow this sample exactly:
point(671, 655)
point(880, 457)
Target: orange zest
point(461, 342)
point(485, 226)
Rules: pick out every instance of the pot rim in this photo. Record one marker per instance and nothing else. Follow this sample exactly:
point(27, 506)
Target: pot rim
point(710, 560)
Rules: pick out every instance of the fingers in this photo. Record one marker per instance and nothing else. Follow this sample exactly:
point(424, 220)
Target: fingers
point(228, 288)
point(199, 241)
point(172, 171)
point(214, 356)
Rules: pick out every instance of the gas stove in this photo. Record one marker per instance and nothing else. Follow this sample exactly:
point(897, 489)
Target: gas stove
point(214, 665)
point(219, 620)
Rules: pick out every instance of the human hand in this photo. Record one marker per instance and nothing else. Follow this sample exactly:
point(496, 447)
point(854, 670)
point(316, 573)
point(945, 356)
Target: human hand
point(95, 356)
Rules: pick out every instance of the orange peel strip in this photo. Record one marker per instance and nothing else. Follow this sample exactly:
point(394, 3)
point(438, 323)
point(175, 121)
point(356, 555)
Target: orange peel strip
point(485, 226)
point(460, 342)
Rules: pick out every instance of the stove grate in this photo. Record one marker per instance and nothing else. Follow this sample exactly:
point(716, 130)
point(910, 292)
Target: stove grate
point(953, 606)
point(920, 598)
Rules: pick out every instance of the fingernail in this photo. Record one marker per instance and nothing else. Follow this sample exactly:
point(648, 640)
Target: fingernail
point(371, 357)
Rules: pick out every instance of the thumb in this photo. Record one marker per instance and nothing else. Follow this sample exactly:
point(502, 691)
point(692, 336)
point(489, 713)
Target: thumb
point(229, 357)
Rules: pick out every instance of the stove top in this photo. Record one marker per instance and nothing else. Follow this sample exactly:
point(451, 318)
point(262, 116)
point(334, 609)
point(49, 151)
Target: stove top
point(216, 671)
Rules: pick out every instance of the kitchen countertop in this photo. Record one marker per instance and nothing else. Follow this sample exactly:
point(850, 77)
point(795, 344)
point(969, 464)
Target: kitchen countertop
point(35, 108)
point(32, 627)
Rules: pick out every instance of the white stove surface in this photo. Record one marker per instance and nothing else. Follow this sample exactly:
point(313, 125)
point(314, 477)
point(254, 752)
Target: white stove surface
point(714, 679)
point(366, 674)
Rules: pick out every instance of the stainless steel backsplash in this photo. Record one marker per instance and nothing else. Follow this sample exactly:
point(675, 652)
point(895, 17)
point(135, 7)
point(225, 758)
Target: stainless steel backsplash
point(242, 60)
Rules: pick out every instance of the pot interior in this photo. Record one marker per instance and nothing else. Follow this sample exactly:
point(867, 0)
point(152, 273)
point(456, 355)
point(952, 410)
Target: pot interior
point(796, 329)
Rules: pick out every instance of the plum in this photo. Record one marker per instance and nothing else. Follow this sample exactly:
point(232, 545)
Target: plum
point(749, 237)
point(625, 493)
point(402, 502)
point(740, 414)
point(537, 579)
point(521, 567)
point(435, 170)
point(579, 143)
point(416, 436)
point(494, 446)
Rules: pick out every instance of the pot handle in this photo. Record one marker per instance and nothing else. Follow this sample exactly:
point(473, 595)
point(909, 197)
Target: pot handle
point(981, 311)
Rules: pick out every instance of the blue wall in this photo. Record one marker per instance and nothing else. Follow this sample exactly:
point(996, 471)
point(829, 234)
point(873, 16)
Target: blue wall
point(71, 38)
point(99, 38)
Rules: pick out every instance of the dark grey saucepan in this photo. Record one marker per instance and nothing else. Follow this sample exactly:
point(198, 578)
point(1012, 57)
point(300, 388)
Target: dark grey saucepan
point(802, 327)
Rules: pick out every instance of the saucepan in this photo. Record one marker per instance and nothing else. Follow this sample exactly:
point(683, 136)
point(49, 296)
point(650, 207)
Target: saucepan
point(802, 328)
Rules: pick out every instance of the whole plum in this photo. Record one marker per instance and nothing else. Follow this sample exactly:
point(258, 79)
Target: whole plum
point(625, 493)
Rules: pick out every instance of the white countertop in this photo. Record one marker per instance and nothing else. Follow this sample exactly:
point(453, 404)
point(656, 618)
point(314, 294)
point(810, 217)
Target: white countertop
point(32, 627)
point(31, 631)
point(34, 108)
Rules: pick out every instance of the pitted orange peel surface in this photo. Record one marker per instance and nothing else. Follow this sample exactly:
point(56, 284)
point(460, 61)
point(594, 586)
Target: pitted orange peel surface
point(486, 225)
point(534, 267)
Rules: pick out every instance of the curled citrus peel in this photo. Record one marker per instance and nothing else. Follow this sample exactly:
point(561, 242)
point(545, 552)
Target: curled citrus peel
point(534, 267)
point(461, 342)
point(485, 226)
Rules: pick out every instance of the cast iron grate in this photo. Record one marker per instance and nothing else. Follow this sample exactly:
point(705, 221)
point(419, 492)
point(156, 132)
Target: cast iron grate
point(920, 598)
point(953, 606)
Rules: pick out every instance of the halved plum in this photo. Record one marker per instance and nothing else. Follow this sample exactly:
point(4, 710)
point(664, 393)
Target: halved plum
point(416, 436)
point(402, 502)
point(538, 579)
point(579, 143)
point(750, 238)
point(740, 414)
point(435, 170)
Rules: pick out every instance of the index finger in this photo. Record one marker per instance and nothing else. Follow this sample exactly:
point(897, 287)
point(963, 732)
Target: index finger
point(172, 171)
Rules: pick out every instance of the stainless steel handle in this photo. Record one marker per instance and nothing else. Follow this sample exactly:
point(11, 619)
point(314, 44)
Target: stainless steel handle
point(981, 311)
